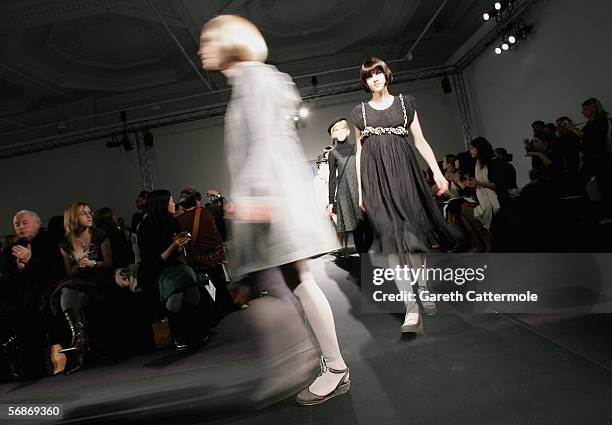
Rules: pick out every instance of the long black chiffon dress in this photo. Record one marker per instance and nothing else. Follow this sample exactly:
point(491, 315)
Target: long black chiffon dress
point(396, 197)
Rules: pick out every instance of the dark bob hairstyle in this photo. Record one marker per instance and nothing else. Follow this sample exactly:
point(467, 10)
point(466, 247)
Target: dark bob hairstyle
point(373, 65)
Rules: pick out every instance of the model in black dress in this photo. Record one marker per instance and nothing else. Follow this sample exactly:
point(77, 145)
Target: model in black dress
point(392, 188)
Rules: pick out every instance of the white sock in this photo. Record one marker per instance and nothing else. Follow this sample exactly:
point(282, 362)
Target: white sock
point(319, 315)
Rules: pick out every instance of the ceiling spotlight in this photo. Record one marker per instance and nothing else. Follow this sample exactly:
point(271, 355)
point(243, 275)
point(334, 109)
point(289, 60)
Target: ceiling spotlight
point(303, 112)
point(498, 51)
point(486, 16)
point(126, 143)
point(147, 138)
point(113, 143)
point(512, 39)
point(497, 5)
point(296, 118)
point(505, 46)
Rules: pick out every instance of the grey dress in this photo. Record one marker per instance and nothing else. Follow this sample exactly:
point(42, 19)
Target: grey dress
point(266, 163)
point(343, 186)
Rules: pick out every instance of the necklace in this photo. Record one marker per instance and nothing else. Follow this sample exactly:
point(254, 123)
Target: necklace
point(84, 246)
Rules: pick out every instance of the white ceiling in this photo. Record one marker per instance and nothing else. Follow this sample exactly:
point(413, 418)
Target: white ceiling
point(65, 59)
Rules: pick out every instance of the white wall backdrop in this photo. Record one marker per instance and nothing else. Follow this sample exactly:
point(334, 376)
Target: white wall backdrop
point(564, 61)
point(187, 154)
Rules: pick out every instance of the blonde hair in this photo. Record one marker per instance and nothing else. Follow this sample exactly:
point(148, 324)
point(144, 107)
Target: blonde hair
point(71, 218)
point(239, 39)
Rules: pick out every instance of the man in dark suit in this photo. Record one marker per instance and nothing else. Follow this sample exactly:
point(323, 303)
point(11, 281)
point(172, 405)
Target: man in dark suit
point(28, 269)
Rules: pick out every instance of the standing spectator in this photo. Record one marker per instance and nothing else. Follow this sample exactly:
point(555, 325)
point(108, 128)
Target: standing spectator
point(568, 144)
point(596, 159)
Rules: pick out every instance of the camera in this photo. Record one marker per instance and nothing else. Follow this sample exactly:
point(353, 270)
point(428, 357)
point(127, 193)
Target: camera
point(214, 198)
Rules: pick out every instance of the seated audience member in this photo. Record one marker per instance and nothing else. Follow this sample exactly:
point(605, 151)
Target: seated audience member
point(489, 180)
point(490, 187)
point(140, 201)
point(136, 220)
point(123, 227)
point(568, 144)
point(163, 272)
point(461, 210)
point(205, 253)
point(106, 220)
point(551, 130)
point(448, 168)
point(547, 160)
point(505, 158)
point(536, 205)
point(88, 262)
point(29, 267)
point(55, 229)
point(538, 127)
point(216, 208)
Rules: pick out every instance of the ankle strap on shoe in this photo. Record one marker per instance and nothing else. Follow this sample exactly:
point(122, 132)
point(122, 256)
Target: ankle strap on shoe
point(325, 368)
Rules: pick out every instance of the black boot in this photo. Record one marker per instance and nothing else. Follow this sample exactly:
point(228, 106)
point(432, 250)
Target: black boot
point(198, 329)
point(178, 332)
point(79, 344)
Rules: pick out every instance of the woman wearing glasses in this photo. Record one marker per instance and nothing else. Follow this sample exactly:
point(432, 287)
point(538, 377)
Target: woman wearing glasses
point(88, 262)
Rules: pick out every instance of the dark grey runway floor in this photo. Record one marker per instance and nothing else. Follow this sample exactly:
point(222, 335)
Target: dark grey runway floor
point(466, 369)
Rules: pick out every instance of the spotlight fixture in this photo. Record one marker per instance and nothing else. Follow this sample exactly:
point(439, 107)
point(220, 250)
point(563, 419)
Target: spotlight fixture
point(499, 10)
point(446, 85)
point(126, 143)
point(303, 112)
point(296, 118)
point(113, 143)
point(512, 34)
point(147, 139)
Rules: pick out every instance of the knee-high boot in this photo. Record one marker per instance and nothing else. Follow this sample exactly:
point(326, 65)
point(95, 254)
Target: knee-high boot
point(79, 344)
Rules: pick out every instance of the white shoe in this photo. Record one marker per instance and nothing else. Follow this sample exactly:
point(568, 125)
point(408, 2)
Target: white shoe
point(411, 324)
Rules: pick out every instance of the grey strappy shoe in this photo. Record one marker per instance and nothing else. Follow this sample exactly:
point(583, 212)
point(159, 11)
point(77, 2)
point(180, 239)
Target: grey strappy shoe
point(306, 398)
